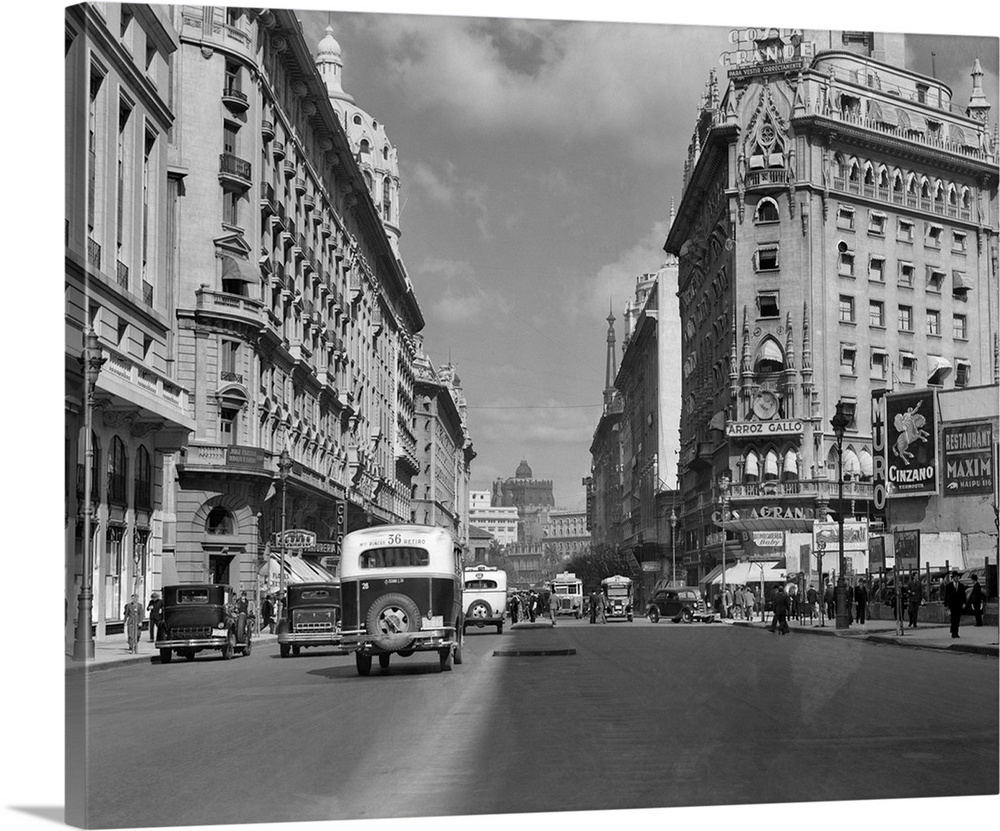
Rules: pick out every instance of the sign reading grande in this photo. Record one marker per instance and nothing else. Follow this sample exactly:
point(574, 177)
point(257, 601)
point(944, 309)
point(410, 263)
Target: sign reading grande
point(297, 538)
point(968, 458)
point(911, 438)
point(787, 427)
point(762, 46)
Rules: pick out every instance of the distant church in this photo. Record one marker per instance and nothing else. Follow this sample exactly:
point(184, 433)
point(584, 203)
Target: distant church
point(533, 499)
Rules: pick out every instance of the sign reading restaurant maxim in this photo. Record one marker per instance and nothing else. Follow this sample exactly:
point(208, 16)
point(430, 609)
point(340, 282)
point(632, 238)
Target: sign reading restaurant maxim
point(911, 438)
point(740, 429)
point(968, 458)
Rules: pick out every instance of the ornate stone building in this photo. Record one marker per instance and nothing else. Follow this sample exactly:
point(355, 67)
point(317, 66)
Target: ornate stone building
point(119, 289)
point(295, 317)
point(532, 497)
point(837, 236)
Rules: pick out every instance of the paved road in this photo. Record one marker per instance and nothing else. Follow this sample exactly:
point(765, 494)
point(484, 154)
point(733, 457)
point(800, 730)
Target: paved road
point(646, 715)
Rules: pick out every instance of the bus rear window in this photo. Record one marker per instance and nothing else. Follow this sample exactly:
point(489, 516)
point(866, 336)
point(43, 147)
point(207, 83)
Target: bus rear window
point(481, 584)
point(192, 596)
point(397, 557)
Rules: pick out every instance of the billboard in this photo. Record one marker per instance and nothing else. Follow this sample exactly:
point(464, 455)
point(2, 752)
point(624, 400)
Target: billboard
point(968, 458)
point(911, 443)
point(906, 547)
point(826, 536)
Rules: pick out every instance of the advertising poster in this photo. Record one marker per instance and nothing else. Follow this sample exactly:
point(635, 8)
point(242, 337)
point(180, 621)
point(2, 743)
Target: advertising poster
point(907, 549)
point(876, 554)
point(911, 452)
point(968, 458)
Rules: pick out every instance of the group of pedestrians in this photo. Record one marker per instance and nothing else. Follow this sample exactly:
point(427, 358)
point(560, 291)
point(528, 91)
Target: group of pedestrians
point(739, 602)
point(528, 605)
point(598, 606)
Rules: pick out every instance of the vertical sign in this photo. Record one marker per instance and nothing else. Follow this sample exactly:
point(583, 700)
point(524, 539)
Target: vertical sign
point(878, 454)
point(968, 458)
point(911, 435)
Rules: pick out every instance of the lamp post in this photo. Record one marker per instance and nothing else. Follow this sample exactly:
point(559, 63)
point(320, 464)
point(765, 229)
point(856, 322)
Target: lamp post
point(673, 545)
point(284, 468)
point(839, 423)
point(92, 361)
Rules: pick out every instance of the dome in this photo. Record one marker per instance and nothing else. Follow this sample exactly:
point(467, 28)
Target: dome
point(523, 471)
point(328, 46)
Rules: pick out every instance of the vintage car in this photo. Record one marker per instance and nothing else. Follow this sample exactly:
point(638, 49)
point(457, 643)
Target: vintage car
point(311, 617)
point(202, 616)
point(401, 593)
point(681, 603)
point(485, 597)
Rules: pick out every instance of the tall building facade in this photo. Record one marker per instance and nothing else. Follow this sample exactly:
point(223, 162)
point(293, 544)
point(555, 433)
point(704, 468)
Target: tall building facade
point(295, 317)
point(604, 485)
point(498, 521)
point(118, 116)
point(532, 497)
point(566, 534)
point(837, 236)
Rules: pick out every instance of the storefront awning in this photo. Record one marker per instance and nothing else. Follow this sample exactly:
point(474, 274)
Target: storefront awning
point(740, 573)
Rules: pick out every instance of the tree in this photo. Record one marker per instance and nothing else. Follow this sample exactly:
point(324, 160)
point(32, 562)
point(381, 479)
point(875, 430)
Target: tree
point(602, 560)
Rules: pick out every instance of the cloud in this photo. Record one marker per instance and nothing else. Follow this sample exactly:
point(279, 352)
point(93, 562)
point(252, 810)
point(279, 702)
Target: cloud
point(421, 177)
point(468, 199)
point(549, 423)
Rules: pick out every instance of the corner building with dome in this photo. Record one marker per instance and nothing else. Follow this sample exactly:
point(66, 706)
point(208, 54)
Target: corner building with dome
point(836, 236)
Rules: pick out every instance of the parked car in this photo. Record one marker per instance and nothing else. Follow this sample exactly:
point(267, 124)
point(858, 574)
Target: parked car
point(311, 617)
point(201, 616)
point(401, 593)
point(679, 604)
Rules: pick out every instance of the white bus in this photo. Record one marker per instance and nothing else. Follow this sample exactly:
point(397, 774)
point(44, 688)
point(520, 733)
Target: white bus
point(618, 591)
point(484, 597)
point(568, 593)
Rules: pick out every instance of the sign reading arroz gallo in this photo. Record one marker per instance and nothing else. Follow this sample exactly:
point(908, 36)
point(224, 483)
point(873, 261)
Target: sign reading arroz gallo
point(911, 444)
point(968, 458)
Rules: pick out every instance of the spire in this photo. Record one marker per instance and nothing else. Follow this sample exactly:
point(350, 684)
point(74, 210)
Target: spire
point(331, 66)
point(806, 344)
point(673, 214)
point(745, 357)
point(979, 106)
point(610, 370)
point(789, 346)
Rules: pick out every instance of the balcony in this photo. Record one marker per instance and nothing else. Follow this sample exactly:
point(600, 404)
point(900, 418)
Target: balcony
point(231, 306)
point(235, 99)
point(278, 150)
point(121, 274)
point(309, 201)
point(289, 169)
point(234, 169)
point(826, 488)
point(762, 178)
point(300, 186)
point(898, 197)
point(266, 130)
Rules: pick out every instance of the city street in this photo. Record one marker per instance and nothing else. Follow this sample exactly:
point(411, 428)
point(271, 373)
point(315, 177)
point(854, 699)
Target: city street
point(641, 715)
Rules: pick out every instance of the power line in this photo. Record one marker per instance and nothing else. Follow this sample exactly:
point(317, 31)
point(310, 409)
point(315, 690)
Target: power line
point(536, 407)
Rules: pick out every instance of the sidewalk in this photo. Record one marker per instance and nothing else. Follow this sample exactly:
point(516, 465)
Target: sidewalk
point(112, 651)
point(980, 640)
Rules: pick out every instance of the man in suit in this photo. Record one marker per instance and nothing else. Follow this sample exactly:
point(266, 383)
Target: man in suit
point(954, 600)
point(861, 599)
point(780, 618)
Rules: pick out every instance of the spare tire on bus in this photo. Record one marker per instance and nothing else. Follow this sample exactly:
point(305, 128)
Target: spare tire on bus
point(391, 619)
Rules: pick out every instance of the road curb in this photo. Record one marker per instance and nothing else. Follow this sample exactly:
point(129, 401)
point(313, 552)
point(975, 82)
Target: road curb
point(98, 666)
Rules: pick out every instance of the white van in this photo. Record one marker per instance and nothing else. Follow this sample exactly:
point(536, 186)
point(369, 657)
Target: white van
point(485, 597)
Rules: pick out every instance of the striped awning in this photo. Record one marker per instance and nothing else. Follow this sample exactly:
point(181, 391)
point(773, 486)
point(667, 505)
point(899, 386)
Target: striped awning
point(956, 134)
point(752, 469)
point(771, 464)
point(960, 281)
point(851, 463)
point(938, 364)
point(791, 463)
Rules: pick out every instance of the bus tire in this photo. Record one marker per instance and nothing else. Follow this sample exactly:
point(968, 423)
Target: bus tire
point(166, 655)
point(383, 660)
point(479, 611)
point(284, 649)
point(364, 663)
point(385, 613)
point(445, 658)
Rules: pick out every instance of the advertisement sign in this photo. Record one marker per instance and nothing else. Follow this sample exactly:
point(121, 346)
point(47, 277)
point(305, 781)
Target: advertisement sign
point(769, 539)
point(297, 538)
point(247, 457)
point(826, 536)
point(911, 452)
point(787, 427)
point(878, 455)
point(876, 553)
point(764, 47)
point(906, 545)
point(968, 458)
point(651, 565)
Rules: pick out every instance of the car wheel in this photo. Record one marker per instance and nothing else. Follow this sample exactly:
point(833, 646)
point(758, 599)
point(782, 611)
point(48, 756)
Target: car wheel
point(479, 612)
point(246, 649)
point(445, 656)
point(296, 650)
point(687, 616)
point(458, 650)
point(654, 615)
point(364, 663)
point(284, 649)
point(383, 660)
point(188, 654)
point(166, 655)
point(390, 620)
point(230, 647)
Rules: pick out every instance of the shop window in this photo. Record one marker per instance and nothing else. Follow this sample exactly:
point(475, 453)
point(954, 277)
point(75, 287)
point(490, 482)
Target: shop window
point(220, 521)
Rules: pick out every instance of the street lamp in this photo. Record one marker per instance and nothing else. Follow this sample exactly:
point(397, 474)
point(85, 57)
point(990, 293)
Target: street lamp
point(92, 361)
point(839, 423)
point(673, 545)
point(284, 468)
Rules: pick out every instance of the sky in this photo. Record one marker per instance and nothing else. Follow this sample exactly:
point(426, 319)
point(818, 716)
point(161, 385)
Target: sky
point(538, 161)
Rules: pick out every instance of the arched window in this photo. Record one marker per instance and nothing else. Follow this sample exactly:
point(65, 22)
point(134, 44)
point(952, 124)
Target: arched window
point(368, 179)
point(143, 480)
point(751, 470)
point(220, 521)
point(838, 166)
point(939, 192)
point(869, 174)
point(866, 465)
point(897, 184)
point(790, 467)
point(883, 178)
point(767, 211)
point(364, 147)
point(952, 196)
point(966, 199)
point(852, 465)
point(117, 472)
point(855, 172)
point(770, 466)
point(386, 198)
point(911, 184)
point(925, 189)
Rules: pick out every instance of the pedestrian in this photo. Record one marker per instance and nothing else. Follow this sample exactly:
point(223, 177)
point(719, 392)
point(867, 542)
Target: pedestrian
point(243, 605)
point(812, 599)
point(532, 605)
point(738, 602)
point(976, 599)
point(155, 609)
point(780, 603)
point(602, 607)
point(593, 606)
point(830, 600)
point(861, 599)
point(133, 622)
point(553, 604)
point(914, 600)
point(267, 614)
point(850, 603)
point(954, 600)
point(727, 603)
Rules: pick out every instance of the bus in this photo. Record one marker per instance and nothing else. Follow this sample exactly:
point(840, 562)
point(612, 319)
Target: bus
point(569, 593)
point(401, 593)
point(484, 597)
point(618, 591)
